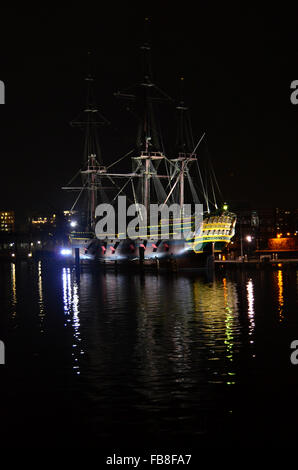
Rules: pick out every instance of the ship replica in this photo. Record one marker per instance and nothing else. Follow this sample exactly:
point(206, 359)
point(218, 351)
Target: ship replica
point(153, 179)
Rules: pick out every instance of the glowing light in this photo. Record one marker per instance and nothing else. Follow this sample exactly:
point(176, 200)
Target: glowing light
point(13, 255)
point(225, 207)
point(73, 223)
point(29, 255)
point(65, 252)
point(249, 238)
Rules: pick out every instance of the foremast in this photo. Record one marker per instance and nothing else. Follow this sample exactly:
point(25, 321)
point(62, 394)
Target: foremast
point(89, 121)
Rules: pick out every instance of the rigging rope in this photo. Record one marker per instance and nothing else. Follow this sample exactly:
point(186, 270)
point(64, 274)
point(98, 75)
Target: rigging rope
point(192, 188)
point(215, 203)
point(216, 182)
point(74, 204)
point(160, 192)
point(135, 199)
point(203, 187)
point(119, 160)
point(74, 177)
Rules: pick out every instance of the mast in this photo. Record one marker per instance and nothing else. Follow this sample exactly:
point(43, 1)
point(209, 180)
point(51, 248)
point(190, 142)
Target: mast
point(184, 144)
point(184, 137)
point(147, 184)
point(149, 145)
point(89, 121)
point(181, 201)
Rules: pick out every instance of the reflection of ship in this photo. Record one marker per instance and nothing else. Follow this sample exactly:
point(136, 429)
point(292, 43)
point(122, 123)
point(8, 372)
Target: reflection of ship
point(154, 179)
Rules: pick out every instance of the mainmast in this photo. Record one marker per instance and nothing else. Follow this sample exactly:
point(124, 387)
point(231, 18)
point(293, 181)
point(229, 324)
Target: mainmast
point(184, 137)
point(149, 144)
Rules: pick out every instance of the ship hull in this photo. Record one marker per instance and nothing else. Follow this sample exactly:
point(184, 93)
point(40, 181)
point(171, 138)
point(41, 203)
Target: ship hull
point(195, 252)
point(169, 255)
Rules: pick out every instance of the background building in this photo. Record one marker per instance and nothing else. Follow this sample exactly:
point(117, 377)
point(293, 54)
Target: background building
point(7, 221)
point(264, 229)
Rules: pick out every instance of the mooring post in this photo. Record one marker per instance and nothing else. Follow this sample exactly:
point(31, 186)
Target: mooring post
point(77, 257)
point(176, 265)
point(173, 263)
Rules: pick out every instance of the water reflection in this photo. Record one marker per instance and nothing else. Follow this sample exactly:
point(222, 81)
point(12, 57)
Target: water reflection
point(13, 290)
point(159, 350)
point(72, 314)
point(219, 312)
point(280, 287)
point(164, 316)
point(228, 322)
point(40, 296)
point(251, 311)
point(175, 331)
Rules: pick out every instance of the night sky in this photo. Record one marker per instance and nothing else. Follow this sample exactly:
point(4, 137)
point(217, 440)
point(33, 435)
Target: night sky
point(237, 64)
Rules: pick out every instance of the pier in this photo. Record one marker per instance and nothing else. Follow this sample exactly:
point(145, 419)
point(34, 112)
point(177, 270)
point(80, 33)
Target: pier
point(255, 263)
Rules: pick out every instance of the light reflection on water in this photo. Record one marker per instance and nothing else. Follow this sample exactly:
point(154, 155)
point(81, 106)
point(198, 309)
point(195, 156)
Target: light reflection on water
point(13, 289)
point(72, 314)
point(166, 347)
point(251, 311)
point(279, 281)
point(40, 296)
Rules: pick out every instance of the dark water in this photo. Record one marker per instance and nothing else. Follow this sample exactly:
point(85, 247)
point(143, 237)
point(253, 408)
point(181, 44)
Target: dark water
point(155, 361)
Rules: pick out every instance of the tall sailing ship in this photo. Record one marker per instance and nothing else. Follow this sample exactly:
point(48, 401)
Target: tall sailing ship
point(154, 179)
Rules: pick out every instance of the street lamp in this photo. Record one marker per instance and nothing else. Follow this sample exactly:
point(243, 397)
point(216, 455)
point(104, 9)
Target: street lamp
point(248, 238)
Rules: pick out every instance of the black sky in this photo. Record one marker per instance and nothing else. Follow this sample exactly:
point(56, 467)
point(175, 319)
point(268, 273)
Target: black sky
point(237, 64)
